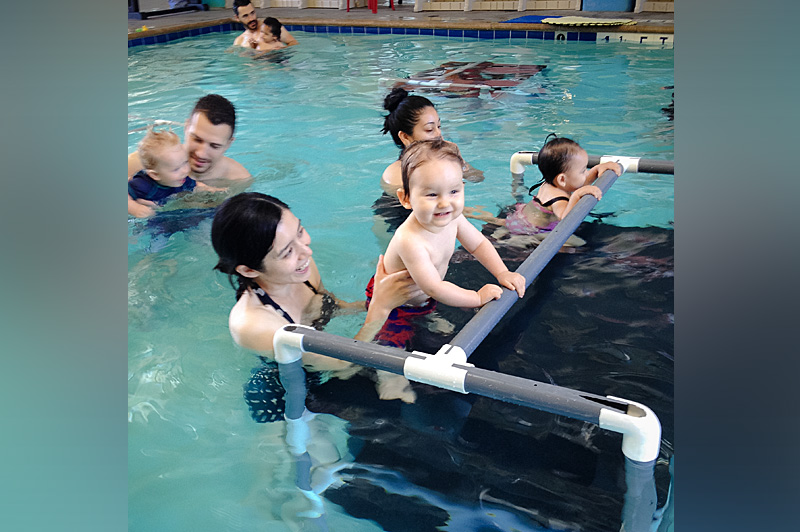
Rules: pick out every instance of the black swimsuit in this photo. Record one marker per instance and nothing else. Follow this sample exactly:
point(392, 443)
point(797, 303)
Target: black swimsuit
point(548, 203)
point(328, 306)
point(264, 393)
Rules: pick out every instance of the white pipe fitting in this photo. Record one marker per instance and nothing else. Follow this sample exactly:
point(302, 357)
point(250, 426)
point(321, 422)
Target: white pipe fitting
point(640, 429)
point(288, 345)
point(438, 369)
point(520, 160)
point(629, 164)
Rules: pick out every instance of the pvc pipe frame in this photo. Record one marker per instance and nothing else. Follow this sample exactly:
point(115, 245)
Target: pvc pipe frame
point(476, 329)
point(448, 369)
point(639, 426)
point(521, 159)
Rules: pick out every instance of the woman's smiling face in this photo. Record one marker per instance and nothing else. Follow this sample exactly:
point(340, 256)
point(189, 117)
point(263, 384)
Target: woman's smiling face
point(289, 260)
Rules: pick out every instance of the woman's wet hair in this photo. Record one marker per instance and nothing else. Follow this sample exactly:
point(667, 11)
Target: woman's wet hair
point(274, 26)
point(554, 158)
point(404, 111)
point(422, 151)
point(243, 232)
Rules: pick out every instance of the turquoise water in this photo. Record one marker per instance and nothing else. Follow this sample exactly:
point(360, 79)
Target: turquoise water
point(308, 129)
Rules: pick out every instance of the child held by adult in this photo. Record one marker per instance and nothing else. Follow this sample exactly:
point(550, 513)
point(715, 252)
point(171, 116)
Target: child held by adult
point(165, 172)
point(433, 189)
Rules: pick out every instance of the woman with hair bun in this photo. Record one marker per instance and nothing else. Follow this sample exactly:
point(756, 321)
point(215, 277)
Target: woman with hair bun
point(412, 118)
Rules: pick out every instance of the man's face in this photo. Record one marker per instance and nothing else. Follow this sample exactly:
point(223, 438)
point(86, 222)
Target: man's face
point(205, 143)
point(247, 16)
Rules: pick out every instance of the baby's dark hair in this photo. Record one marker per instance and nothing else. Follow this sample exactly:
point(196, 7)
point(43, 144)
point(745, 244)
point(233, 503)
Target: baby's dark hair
point(404, 110)
point(422, 151)
point(217, 109)
point(554, 157)
point(274, 26)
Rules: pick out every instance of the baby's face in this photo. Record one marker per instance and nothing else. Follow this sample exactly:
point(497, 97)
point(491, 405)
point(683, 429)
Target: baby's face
point(266, 34)
point(172, 167)
point(576, 171)
point(436, 193)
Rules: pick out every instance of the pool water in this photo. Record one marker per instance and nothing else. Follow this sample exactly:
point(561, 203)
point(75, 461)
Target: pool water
point(308, 129)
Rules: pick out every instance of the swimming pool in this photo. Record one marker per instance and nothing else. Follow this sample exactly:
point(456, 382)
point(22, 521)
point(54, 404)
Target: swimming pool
point(308, 128)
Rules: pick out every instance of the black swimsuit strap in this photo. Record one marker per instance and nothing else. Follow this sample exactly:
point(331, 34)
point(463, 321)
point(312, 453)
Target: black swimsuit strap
point(266, 300)
point(311, 286)
point(548, 203)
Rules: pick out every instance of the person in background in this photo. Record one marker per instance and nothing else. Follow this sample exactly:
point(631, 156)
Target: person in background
point(166, 166)
point(270, 31)
point(565, 180)
point(208, 133)
point(412, 118)
point(245, 13)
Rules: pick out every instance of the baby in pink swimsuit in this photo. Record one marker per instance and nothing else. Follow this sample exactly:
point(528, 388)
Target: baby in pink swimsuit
point(565, 180)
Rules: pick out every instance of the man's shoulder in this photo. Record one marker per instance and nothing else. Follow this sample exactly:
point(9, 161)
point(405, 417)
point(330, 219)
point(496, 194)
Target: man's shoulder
point(233, 170)
point(238, 39)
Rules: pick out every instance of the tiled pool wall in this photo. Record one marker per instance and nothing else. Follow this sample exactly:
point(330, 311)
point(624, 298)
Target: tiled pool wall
point(558, 35)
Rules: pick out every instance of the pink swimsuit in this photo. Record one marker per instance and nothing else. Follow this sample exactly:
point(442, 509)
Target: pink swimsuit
point(518, 224)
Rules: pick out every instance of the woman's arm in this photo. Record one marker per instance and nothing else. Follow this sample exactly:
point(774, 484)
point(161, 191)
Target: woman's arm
point(253, 325)
point(390, 291)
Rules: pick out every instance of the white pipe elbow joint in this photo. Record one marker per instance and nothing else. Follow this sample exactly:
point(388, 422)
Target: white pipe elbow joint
point(640, 429)
point(438, 369)
point(288, 345)
point(629, 164)
point(519, 161)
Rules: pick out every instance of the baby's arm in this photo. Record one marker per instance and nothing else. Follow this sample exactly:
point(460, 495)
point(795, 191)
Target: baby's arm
point(202, 187)
point(418, 262)
point(597, 171)
point(140, 208)
point(561, 212)
point(483, 250)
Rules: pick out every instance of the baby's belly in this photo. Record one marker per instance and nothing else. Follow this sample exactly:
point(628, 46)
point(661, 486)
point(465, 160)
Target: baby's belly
point(417, 301)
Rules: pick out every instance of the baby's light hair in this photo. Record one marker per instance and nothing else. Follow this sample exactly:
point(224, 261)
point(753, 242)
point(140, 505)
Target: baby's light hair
point(420, 152)
point(153, 143)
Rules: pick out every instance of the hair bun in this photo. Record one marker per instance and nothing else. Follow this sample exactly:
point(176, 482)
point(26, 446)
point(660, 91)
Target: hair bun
point(394, 98)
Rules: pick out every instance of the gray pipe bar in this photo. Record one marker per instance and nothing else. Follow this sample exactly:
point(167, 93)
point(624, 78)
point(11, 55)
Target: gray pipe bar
point(293, 380)
point(375, 356)
point(476, 329)
point(648, 166)
point(539, 395)
point(508, 388)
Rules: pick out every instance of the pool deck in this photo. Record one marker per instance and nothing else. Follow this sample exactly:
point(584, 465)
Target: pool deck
point(402, 16)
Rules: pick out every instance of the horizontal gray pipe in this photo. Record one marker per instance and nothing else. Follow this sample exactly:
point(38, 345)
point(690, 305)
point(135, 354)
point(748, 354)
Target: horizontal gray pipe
point(647, 166)
point(476, 329)
point(508, 388)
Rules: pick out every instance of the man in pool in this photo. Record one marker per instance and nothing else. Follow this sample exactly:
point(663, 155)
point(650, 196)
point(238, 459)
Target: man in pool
point(208, 134)
point(245, 13)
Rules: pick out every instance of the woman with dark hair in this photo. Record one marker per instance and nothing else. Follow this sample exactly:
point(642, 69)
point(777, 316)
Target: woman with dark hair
point(412, 118)
point(266, 253)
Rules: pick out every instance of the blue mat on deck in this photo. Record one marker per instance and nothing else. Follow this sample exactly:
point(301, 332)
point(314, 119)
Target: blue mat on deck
point(530, 19)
